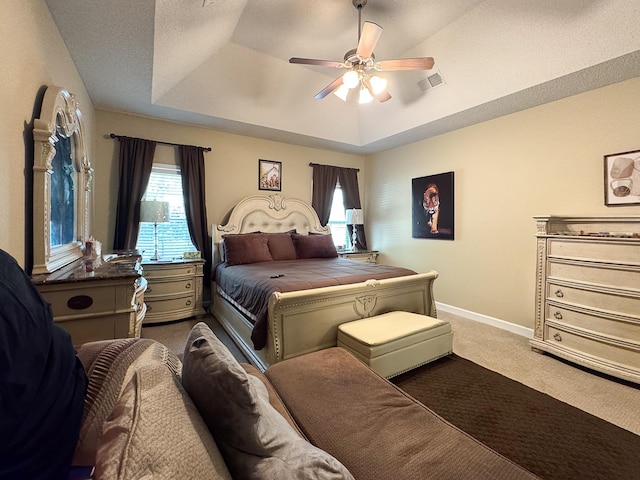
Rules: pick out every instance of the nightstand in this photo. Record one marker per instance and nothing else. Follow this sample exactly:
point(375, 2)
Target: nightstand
point(370, 256)
point(174, 291)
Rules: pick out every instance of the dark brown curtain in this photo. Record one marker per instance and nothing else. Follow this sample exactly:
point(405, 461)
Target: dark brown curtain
point(136, 160)
point(325, 178)
point(348, 178)
point(193, 188)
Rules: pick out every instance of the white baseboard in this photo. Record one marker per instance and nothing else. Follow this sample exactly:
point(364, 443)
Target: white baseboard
point(478, 317)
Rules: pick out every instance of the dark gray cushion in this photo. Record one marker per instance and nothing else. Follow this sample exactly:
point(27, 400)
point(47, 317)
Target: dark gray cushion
point(256, 441)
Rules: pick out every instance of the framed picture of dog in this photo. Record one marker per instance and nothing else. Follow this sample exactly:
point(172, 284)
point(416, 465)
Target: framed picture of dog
point(622, 178)
point(433, 207)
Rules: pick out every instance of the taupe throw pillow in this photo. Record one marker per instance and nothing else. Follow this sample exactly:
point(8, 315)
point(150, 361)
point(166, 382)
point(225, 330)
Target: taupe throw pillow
point(256, 441)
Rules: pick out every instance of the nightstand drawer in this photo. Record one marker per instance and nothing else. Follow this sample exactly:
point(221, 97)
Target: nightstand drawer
point(165, 305)
point(158, 288)
point(159, 270)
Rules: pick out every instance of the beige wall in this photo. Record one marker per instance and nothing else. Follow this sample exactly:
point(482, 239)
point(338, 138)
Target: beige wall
point(32, 56)
point(231, 167)
point(545, 160)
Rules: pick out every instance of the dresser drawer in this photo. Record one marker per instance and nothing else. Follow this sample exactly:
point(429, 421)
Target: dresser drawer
point(159, 288)
point(605, 302)
point(599, 348)
point(627, 278)
point(616, 251)
point(616, 327)
point(90, 301)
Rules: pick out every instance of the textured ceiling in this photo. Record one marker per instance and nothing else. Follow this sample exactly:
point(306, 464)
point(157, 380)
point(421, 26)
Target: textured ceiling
point(224, 63)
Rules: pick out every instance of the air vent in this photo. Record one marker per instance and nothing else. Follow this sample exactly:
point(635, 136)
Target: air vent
point(432, 81)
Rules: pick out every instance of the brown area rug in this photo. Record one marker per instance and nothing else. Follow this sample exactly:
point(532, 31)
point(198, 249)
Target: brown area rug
point(548, 437)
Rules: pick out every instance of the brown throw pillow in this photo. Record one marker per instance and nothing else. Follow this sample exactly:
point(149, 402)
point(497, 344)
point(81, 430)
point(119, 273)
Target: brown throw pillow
point(243, 248)
point(314, 246)
point(281, 246)
point(255, 440)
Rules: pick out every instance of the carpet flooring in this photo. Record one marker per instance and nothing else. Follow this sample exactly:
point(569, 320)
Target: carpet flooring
point(546, 436)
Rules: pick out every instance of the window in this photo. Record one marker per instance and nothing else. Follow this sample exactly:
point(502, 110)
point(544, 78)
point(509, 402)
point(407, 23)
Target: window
point(165, 184)
point(337, 220)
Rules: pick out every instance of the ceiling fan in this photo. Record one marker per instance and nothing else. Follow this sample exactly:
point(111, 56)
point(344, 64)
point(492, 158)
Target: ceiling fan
point(361, 63)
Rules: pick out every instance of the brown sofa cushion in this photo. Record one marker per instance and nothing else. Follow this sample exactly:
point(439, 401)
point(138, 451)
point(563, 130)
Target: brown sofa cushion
point(255, 440)
point(314, 246)
point(375, 429)
point(155, 431)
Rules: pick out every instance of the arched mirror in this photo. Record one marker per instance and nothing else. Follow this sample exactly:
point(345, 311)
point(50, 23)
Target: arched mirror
point(62, 177)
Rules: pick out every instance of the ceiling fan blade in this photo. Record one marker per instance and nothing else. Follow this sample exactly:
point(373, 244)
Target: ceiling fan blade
point(382, 96)
point(423, 63)
point(368, 39)
point(329, 88)
point(312, 61)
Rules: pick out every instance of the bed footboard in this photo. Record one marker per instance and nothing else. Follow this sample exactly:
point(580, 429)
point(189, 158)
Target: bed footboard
point(307, 320)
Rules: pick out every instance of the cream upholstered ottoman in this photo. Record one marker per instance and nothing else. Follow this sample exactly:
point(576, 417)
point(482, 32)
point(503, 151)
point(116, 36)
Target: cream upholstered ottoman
point(395, 342)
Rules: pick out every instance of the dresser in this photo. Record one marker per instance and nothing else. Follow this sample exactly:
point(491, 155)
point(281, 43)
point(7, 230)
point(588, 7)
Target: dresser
point(174, 291)
point(370, 256)
point(96, 300)
point(588, 292)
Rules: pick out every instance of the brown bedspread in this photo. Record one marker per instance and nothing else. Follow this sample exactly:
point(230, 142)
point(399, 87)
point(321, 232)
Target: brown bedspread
point(250, 286)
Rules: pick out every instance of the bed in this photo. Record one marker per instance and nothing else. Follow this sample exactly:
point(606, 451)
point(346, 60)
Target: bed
point(294, 322)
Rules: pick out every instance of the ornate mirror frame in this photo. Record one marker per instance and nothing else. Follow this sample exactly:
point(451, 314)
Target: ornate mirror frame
point(60, 118)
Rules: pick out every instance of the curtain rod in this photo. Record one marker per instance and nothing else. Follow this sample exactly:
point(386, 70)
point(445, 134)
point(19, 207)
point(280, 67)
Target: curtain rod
point(314, 164)
point(206, 149)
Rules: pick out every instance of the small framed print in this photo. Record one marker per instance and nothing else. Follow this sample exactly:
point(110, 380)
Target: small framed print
point(269, 175)
point(622, 178)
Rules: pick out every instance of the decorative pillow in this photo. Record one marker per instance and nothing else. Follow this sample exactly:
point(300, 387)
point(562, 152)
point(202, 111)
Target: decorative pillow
point(108, 374)
point(281, 246)
point(243, 248)
point(155, 431)
point(314, 246)
point(255, 440)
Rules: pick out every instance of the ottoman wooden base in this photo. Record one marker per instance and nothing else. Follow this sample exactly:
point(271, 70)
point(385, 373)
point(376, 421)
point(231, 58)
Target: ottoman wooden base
point(395, 342)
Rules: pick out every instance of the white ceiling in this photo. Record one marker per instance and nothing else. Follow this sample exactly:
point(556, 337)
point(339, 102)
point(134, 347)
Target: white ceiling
point(224, 63)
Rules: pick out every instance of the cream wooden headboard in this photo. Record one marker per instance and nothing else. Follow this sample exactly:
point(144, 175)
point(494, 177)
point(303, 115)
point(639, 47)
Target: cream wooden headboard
point(269, 214)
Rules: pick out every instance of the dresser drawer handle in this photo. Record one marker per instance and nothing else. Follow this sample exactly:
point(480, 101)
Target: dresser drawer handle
point(557, 336)
point(188, 303)
point(188, 286)
point(149, 308)
point(149, 290)
point(557, 316)
point(559, 293)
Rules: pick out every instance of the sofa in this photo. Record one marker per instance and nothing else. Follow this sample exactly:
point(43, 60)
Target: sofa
point(323, 415)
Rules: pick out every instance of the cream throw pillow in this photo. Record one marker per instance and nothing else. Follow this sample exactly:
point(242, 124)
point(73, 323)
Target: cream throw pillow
point(255, 440)
point(155, 431)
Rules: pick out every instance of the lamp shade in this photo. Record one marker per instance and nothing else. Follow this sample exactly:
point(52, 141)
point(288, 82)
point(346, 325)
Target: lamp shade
point(154, 212)
point(354, 216)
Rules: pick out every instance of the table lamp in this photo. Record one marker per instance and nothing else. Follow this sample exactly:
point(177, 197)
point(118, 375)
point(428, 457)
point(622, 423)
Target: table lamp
point(354, 216)
point(154, 212)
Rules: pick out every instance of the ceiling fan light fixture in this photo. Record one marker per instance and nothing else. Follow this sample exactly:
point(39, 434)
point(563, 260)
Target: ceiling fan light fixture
point(351, 79)
point(365, 95)
point(342, 92)
point(378, 84)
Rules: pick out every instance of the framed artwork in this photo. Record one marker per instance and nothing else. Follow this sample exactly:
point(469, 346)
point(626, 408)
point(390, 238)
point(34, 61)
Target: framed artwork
point(269, 175)
point(433, 207)
point(622, 178)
